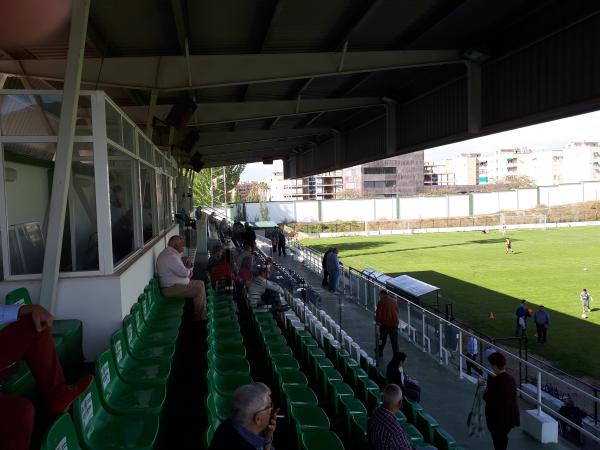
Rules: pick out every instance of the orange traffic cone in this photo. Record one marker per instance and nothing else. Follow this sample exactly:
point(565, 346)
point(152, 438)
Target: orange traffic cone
point(491, 316)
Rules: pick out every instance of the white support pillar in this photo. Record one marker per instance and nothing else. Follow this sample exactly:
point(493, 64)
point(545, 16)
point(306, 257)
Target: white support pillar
point(391, 128)
point(64, 154)
point(474, 97)
point(151, 109)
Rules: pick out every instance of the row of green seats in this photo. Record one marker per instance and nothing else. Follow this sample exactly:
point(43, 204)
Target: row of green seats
point(367, 381)
point(228, 367)
point(122, 408)
point(301, 403)
point(67, 336)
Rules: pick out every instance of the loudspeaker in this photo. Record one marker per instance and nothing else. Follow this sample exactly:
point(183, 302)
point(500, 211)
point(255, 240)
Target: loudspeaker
point(196, 162)
point(267, 161)
point(189, 141)
point(181, 112)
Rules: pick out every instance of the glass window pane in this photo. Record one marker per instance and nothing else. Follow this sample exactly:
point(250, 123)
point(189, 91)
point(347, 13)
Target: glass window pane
point(160, 205)
point(83, 125)
point(29, 115)
point(28, 184)
point(120, 180)
point(113, 124)
point(128, 133)
point(147, 181)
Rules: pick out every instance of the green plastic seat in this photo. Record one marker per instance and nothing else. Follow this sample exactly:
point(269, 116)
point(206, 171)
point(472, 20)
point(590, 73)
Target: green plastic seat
point(275, 341)
point(414, 436)
point(226, 366)
point(221, 406)
point(98, 429)
point(61, 435)
point(314, 353)
point(348, 364)
point(67, 333)
point(208, 435)
point(154, 318)
point(340, 355)
point(337, 390)
point(150, 335)
point(131, 370)
point(355, 374)
point(309, 418)
point(351, 406)
point(283, 362)
point(410, 408)
point(279, 349)
point(296, 395)
point(364, 386)
point(321, 364)
point(321, 440)
point(426, 424)
point(443, 440)
point(230, 339)
point(374, 399)
point(173, 304)
point(326, 375)
point(122, 398)
point(228, 348)
point(400, 417)
point(358, 431)
point(140, 350)
point(20, 382)
point(226, 384)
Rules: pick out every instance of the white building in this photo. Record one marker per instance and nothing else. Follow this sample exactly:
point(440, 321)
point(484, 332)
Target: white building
point(547, 167)
point(497, 166)
point(581, 162)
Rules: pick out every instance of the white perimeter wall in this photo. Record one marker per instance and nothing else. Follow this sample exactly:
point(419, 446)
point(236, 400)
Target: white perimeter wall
point(100, 302)
point(411, 208)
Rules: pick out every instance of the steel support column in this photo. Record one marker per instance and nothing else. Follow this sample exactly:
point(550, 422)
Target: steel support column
point(64, 154)
point(474, 97)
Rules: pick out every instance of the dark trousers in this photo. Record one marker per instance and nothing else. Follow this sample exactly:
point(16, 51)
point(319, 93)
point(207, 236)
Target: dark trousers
point(383, 334)
point(20, 341)
point(270, 298)
point(470, 366)
point(325, 281)
point(500, 439)
point(541, 332)
point(281, 248)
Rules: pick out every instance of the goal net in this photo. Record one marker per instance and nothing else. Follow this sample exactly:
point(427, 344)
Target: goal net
point(514, 220)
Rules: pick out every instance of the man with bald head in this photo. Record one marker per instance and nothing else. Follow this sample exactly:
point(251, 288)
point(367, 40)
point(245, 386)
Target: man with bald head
point(383, 430)
point(174, 272)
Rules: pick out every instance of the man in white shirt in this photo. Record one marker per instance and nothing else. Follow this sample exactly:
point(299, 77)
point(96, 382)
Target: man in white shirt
point(174, 272)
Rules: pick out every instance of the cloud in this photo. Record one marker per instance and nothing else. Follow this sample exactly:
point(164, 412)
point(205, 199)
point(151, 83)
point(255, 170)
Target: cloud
point(549, 135)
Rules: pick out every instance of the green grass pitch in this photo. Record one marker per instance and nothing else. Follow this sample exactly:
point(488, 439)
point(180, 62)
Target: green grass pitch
point(478, 277)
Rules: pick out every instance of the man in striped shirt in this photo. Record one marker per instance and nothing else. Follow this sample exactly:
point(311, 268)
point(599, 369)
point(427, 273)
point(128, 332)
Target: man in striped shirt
point(383, 431)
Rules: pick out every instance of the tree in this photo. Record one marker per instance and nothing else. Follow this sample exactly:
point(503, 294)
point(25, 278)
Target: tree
point(258, 193)
point(208, 187)
point(264, 211)
point(348, 193)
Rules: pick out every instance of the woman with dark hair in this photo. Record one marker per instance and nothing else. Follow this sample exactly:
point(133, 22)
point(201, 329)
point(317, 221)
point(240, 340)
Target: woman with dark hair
point(325, 281)
point(395, 375)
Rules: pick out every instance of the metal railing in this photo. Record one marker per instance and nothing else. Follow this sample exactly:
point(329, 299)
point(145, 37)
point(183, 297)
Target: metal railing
point(446, 341)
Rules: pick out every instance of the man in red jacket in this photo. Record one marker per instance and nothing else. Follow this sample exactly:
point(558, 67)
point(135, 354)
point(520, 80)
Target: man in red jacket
point(386, 317)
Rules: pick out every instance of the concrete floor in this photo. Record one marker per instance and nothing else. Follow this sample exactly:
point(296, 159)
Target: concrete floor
point(446, 397)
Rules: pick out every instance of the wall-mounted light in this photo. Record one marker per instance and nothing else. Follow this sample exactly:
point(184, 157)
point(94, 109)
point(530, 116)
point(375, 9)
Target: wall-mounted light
point(10, 174)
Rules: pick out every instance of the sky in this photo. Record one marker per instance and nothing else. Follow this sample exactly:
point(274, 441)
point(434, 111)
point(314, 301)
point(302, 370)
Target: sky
point(545, 136)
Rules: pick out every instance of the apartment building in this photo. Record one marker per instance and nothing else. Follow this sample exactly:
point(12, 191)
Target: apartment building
point(581, 162)
point(546, 167)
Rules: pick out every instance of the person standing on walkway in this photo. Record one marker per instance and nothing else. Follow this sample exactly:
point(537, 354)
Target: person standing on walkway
point(281, 242)
point(325, 281)
point(333, 268)
point(386, 316)
point(542, 322)
point(274, 239)
point(472, 352)
point(501, 409)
